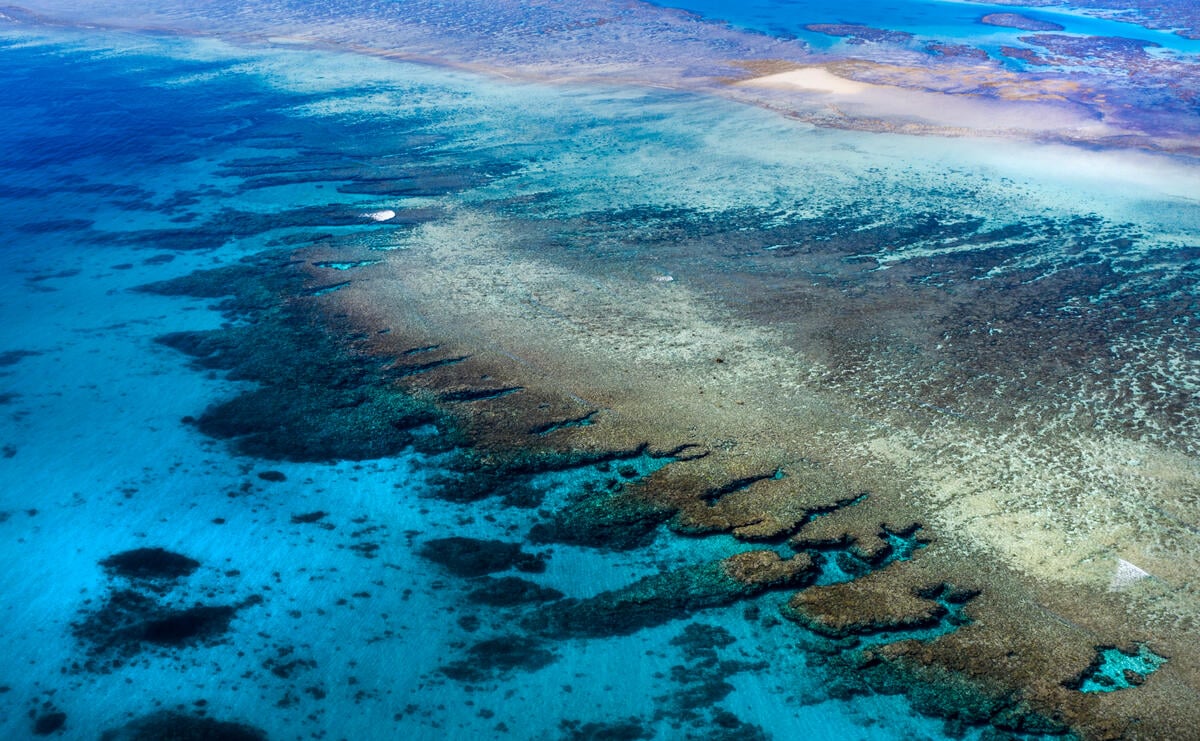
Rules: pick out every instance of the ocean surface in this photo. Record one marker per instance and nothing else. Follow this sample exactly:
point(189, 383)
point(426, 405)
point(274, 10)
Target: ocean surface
point(341, 598)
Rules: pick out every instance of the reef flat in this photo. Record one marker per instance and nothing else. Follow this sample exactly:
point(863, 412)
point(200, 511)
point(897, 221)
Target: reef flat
point(844, 412)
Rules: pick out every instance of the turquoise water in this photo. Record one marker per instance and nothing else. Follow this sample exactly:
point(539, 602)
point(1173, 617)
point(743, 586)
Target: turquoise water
point(120, 155)
point(927, 19)
point(1120, 670)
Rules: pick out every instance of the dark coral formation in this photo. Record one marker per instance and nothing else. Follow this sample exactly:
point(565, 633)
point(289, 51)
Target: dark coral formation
point(702, 683)
point(49, 723)
point(618, 520)
point(631, 729)
point(141, 613)
point(12, 357)
point(130, 621)
point(672, 595)
point(150, 564)
point(508, 591)
point(499, 657)
point(859, 34)
point(179, 727)
point(317, 400)
point(468, 557)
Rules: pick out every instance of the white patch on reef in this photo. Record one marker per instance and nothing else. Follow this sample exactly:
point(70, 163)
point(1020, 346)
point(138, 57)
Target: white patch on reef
point(386, 214)
point(814, 79)
point(1126, 575)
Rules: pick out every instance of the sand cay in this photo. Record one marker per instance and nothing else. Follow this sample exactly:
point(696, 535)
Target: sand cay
point(821, 95)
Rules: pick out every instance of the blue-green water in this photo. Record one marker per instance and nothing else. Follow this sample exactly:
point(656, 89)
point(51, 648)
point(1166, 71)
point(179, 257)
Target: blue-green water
point(116, 154)
point(128, 159)
point(927, 19)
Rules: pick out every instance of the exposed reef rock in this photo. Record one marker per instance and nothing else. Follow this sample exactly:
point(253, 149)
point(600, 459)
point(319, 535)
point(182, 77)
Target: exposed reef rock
point(766, 462)
point(872, 606)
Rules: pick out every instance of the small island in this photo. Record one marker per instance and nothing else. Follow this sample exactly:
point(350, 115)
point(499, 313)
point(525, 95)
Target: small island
point(1018, 21)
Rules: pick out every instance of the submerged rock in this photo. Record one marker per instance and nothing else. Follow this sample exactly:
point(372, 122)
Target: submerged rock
point(511, 590)
point(180, 727)
point(498, 657)
point(49, 723)
point(672, 595)
point(611, 520)
point(150, 564)
point(469, 557)
point(129, 621)
point(317, 399)
point(1018, 21)
point(632, 729)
